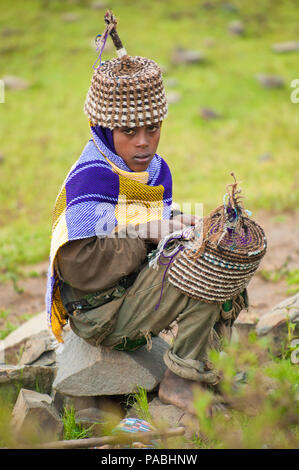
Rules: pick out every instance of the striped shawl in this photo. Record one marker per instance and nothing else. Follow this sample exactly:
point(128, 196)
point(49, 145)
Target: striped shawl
point(99, 195)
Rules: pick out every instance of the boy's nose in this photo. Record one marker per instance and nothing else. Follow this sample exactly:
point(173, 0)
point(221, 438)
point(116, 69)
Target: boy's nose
point(142, 139)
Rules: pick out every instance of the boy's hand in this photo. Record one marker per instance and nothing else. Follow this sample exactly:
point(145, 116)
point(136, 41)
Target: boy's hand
point(187, 219)
point(155, 230)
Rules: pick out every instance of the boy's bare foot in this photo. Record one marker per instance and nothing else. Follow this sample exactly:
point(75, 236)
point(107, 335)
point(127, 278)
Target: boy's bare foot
point(175, 390)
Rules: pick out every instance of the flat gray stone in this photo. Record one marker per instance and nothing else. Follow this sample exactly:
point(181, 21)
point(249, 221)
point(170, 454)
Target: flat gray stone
point(70, 17)
point(35, 325)
point(13, 82)
point(236, 27)
point(171, 82)
point(270, 81)
point(208, 113)
point(98, 5)
point(84, 370)
point(29, 377)
point(170, 414)
point(265, 157)
point(185, 56)
point(35, 411)
point(173, 97)
point(276, 319)
point(174, 417)
point(287, 46)
point(36, 347)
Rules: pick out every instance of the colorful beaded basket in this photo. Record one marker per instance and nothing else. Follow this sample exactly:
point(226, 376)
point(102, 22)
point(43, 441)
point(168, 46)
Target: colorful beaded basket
point(218, 265)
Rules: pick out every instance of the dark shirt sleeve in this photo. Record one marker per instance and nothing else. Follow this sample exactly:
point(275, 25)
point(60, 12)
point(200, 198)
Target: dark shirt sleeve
point(94, 264)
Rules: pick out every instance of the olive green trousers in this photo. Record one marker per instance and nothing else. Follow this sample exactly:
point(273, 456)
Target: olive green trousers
point(140, 312)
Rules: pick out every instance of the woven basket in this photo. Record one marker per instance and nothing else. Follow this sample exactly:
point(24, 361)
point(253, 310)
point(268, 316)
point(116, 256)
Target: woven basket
point(126, 92)
point(222, 265)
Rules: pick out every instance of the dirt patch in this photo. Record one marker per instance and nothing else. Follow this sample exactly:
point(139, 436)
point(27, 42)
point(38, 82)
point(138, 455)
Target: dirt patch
point(282, 234)
point(283, 251)
point(17, 306)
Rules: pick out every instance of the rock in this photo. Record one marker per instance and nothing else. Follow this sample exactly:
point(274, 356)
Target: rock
point(208, 113)
point(209, 42)
point(13, 343)
point(34, 415)
point(93, 415)
point(241, 330)
point(98, 5)
point(288, 46)
point(35, 325)
point(265, 157)
point(99, 420)
point(164, 68)
point(208, 5)
point(173, 97)
point(39, 350)
point(270, 81)
point(70, 17)
point(84, 370)
point(80, 403)
point(165, 413)
point(173, 417)
point(12, 82)
point(5, 32)
point(184, 56)
point(236, 27)
point(29, 377)
point(171, 82)
point(275, 321)
point(229, 7)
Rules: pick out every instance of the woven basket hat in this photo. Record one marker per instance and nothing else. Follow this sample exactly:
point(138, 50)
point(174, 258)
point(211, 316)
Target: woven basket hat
point(220, 266)
point(126, 91)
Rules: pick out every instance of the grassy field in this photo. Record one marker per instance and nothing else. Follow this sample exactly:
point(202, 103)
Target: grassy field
point(43, 128)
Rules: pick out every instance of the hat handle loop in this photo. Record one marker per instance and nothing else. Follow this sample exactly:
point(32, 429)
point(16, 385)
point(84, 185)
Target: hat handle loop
point(110, 28)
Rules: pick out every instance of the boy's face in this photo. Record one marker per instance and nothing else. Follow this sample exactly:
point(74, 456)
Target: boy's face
point(137, 146)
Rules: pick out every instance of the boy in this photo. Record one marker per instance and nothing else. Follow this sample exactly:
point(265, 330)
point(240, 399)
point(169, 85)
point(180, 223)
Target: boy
point(99, 277)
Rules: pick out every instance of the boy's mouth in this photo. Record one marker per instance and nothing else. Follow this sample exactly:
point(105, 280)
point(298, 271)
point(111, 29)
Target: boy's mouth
point(142, 158)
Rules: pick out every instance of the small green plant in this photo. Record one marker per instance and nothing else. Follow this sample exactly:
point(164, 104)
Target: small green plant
point(4, 313)
point(73, 430)
point(20, 353)
point(139, 403)
point(8, 328)
point(292, 279)
point(263, 410)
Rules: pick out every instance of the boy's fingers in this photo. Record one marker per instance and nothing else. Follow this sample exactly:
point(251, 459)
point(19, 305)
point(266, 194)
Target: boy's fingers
point(187, 219)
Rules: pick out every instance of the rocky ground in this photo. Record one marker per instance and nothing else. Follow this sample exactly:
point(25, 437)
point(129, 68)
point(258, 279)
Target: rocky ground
point(283, 253)
point(98, 381)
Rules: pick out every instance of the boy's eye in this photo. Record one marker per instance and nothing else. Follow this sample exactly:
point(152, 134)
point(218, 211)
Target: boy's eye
point(152, 128)
point(128, 131)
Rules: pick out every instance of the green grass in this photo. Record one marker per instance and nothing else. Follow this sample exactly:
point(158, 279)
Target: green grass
point(139, 403)
point(71, 429)
point(43, 128)
point(290, 276)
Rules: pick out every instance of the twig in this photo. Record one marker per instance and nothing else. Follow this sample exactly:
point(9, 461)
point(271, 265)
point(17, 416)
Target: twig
point(121, 438)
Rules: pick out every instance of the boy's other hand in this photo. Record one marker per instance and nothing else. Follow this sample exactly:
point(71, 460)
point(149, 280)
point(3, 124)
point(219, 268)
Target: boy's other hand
point(155, 230)
point(187, 219)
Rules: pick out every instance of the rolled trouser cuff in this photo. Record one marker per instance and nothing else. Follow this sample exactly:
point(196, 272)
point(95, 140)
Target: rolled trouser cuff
point(191, 369)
